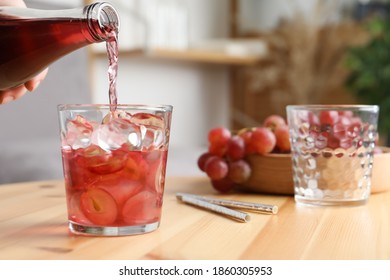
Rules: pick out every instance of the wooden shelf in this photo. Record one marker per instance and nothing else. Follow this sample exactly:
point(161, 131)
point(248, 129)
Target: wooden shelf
point(206, 56)
point(191, 55)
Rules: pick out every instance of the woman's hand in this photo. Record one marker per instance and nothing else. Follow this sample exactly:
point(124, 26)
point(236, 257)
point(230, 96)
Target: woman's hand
point(17, 92)
point(8, 95)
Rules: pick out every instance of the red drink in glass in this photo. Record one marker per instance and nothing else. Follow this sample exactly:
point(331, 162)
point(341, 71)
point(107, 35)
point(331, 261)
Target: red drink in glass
point(118, 188)
point(114, 167)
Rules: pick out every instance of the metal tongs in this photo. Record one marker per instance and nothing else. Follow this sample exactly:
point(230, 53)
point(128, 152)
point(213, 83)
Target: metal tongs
point(223, 206)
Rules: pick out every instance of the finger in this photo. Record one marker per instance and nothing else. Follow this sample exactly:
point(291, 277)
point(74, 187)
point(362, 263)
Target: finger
point(34, 82)
point(5, 98)
point(17, 3)
point(12, 94)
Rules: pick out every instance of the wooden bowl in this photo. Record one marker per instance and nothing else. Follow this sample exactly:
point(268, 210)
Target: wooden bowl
point(272, 174)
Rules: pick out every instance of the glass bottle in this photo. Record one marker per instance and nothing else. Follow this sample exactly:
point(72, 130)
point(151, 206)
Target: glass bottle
point(31, 39)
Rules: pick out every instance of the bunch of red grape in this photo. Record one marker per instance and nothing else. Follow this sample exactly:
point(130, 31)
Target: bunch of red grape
point(225, 161)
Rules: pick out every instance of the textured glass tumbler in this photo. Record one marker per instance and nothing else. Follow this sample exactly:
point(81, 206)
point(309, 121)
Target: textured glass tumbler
point(332, 152)
point(114, 161)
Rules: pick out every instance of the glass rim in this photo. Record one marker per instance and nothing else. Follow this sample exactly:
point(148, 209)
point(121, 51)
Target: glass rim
point(323, 107)
point(155, 107)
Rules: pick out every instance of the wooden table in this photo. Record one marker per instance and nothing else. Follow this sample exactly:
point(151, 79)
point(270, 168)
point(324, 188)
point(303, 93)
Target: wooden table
point(33, 226)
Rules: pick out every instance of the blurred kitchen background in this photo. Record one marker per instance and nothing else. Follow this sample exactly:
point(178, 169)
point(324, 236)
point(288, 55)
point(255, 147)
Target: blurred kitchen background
point(219, 63)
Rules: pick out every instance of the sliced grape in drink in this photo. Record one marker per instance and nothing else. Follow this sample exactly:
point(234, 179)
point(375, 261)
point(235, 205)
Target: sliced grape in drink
point(143, 208)
point(99, 206)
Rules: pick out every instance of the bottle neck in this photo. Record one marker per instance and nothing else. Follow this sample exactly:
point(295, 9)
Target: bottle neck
point(102, 20)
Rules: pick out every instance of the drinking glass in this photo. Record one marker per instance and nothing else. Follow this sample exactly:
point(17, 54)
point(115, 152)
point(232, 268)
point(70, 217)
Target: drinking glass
point(332, 152)
point(114, 161)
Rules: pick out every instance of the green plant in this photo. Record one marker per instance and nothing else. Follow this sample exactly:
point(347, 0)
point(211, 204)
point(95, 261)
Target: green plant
point(369, 66)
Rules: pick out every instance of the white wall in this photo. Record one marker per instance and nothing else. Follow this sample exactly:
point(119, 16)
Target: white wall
point(265, 14)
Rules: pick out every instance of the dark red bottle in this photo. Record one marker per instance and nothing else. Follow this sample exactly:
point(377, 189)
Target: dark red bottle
point(31, 39)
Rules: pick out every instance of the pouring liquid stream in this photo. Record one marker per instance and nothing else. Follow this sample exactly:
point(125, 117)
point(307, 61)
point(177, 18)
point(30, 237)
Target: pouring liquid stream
point(112, 52)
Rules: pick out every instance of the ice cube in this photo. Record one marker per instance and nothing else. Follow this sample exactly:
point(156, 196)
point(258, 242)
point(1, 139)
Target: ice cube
point(117, 132)
point(116, 114)
point(147, 119)
point(78, 133)
point(152, 130)
point(152, 138)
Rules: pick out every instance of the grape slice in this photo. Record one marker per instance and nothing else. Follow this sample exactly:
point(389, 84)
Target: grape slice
point(99, 207)
point(136, 166)
point(141, 209)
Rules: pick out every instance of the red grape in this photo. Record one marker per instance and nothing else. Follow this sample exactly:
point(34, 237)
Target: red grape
point(202, 160)
point(263, 140)
point(235, 149)
point(239, 171)
point(309, 117)
point(224, 185)
point(216, 168)
point(219, 135)
point(329, 117)
point(274, 121)
point(344, 120)
point(333, 142)
point(339, 130)
point(218, 148)
point(313, 119)
point(218, 138)
point(247, 137)
point(282, 138)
